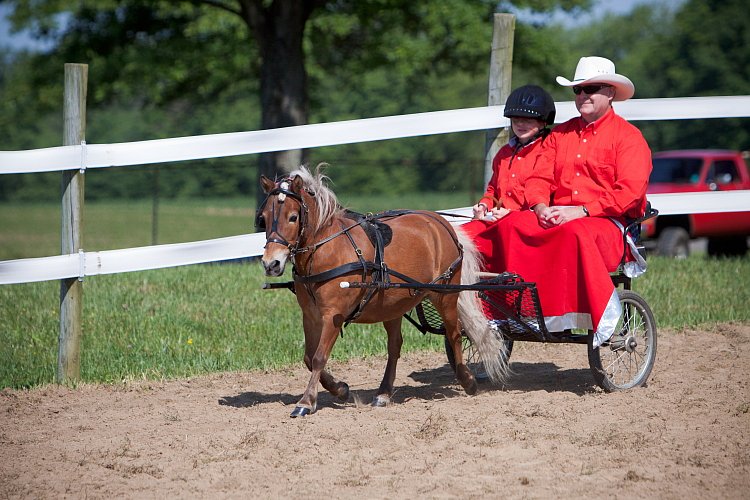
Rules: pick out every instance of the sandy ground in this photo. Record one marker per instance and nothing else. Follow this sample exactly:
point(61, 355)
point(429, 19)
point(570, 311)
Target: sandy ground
point(548, 433)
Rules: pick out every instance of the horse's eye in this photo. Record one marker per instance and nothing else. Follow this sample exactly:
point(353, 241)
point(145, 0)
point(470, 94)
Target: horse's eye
point(260, 222)
point(293, 218)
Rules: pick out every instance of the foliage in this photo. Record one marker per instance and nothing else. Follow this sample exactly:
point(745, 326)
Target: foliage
point(703, 49)
point(164, 69)
point(160, 69)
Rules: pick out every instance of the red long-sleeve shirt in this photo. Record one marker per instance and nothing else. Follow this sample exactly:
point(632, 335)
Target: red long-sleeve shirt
point(510, 170)
point(603, 166)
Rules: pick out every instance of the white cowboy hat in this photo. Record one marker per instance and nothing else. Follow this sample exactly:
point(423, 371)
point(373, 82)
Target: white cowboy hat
point(594, 69)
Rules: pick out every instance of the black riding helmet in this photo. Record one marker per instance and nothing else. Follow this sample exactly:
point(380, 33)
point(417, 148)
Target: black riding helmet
point(530, 101)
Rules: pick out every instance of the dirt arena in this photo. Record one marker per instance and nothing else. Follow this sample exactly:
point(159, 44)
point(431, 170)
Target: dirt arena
point(548, 433)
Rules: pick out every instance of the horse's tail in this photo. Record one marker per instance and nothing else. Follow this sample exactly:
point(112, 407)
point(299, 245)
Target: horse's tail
point(489, 343)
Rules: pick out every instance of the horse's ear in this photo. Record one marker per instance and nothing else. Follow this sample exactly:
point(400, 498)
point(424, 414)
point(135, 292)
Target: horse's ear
point(297, 184)
point(267, 184)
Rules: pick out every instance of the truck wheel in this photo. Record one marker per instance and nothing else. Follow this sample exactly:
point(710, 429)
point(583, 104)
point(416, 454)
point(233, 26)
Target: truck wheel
point(674, 242)
point(727, 246)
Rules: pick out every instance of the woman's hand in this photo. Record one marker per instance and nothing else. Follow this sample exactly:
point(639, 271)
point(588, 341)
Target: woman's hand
point(500, 212)
point(480, 210)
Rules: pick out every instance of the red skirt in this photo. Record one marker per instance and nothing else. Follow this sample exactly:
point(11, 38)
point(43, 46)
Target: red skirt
point(570, 263)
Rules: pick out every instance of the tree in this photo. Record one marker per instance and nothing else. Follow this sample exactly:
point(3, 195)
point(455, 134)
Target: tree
point(700, 49)
point(169, 53)
point(707, 53)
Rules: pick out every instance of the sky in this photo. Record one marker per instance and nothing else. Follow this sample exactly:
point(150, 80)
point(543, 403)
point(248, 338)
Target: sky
point(16, 40)
point(601, 7)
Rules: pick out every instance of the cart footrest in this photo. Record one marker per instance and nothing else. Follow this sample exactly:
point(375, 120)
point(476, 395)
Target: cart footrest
point(510, 304)
point(513, 307)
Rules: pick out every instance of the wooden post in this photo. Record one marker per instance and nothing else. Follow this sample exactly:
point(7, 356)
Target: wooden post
point(501, 67)
point(71, 289)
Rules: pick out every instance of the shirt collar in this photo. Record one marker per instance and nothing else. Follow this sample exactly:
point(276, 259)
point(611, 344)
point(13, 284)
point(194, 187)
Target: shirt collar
point(596, 125)
point(513, 142)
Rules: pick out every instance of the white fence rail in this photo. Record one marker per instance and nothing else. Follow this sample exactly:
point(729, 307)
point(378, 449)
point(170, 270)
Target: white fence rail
point(345, 132)
point(187, 148)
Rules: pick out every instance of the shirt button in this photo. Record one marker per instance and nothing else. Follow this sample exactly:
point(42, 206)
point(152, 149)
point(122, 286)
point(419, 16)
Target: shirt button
point(578, 156)
point(584, 140)
point(512, 175)
point(575, 192)
point(508, 193)
point(578, 173)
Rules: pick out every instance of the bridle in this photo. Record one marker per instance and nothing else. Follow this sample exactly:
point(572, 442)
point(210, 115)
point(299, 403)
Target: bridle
point(279, 195)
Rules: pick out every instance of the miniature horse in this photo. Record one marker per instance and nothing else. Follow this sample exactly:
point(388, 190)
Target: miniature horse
point(327, 245)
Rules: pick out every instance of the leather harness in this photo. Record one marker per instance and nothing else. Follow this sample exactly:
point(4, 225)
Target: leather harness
point(380, 235)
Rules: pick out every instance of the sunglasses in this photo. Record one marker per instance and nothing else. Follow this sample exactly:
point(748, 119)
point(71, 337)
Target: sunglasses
point(588, 89)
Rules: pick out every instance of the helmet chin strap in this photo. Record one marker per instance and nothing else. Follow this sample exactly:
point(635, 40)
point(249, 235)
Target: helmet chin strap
point(541, 133)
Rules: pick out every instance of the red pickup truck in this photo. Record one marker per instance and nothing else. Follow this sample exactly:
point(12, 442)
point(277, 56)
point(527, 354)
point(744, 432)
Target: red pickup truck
point(697, 170)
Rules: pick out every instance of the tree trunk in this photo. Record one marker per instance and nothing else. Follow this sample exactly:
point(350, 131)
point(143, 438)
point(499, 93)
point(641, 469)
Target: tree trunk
point(279, 29)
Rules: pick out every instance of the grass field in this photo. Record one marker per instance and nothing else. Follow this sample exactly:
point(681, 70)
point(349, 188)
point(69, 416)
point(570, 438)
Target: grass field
point(33, 229)
point(198, 319)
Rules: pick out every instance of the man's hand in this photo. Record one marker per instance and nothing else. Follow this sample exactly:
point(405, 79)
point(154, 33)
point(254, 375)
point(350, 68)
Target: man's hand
point(556, 216)
point(544, 215)
point(500, 212)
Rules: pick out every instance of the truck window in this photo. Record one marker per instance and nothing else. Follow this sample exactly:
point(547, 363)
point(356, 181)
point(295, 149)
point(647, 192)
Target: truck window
point(676, 170)
point(722, 172)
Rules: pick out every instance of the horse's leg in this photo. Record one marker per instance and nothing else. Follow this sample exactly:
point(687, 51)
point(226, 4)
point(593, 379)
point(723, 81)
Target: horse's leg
point(395, 339)
point(447, 306)
point(338, 388)
point(316, 363)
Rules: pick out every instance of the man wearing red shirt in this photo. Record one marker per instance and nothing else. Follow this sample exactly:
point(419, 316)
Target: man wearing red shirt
point(590, 178)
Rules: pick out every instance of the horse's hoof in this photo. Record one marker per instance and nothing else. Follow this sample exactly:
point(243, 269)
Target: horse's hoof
point(466, 379)
point(300, 411)
point(381, 401)
point(343, 394)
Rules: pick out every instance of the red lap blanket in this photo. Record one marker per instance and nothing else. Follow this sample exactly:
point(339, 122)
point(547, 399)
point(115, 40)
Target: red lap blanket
point(570, 264)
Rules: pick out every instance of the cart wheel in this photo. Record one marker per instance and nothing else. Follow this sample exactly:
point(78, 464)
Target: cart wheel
point(626, 360)
point(471, 356)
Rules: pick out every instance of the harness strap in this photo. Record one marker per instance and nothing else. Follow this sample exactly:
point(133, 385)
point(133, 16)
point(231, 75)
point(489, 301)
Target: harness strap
point(366, 267)
point(381, 273)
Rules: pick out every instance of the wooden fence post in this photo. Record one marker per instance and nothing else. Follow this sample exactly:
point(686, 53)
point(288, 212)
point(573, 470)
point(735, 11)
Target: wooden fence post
point(501, 67)
point(71, 289)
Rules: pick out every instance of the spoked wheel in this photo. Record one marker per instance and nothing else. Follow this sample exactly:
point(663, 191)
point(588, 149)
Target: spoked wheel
point(471, 356)
point(626, 360)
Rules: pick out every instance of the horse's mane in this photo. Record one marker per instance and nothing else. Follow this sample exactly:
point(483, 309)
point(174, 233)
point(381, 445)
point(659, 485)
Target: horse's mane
point(316, 184)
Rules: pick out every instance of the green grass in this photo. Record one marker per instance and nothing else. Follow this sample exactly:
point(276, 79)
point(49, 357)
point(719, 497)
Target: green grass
point(200, 319)
point(168, 323)
point(33, 229)
point(696, 291)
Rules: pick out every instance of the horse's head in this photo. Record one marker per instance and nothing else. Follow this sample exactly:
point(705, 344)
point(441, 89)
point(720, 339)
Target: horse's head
point(283, 216)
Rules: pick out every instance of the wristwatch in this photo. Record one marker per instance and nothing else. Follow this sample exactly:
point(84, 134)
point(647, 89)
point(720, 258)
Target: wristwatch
point(586, 211)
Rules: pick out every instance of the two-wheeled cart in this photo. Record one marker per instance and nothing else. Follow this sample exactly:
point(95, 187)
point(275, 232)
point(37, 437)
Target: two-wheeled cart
point(512, 307)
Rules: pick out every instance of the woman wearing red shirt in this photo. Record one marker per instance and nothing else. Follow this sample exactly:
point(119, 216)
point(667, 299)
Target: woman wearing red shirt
point(595, 170)
point(530, 109)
